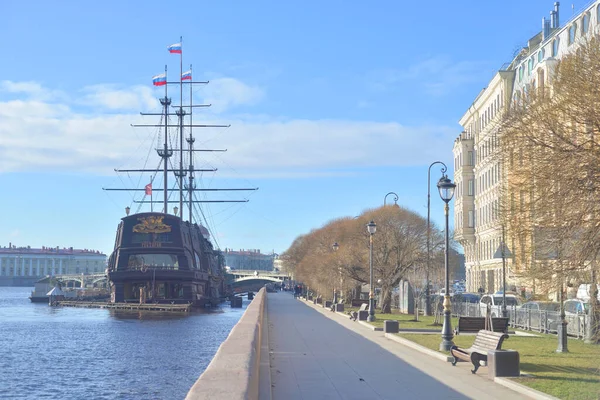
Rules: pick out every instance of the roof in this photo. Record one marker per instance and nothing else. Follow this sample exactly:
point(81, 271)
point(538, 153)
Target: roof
point(49, 250)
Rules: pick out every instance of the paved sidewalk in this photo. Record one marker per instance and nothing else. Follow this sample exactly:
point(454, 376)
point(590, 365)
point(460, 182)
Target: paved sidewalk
point(316, 356)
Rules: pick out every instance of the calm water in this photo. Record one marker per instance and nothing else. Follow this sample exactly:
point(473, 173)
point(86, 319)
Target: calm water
point(79, 353)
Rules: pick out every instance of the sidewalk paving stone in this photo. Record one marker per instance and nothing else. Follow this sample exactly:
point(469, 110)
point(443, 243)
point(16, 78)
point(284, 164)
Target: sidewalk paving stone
point(317, 354)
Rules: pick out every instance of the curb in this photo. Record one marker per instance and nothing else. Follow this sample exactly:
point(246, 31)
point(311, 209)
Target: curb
point(371, 327)
point(418, 347)
point(517, 387)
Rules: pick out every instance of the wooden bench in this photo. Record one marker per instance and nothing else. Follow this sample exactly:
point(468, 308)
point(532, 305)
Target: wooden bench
point(358, 302)
point(484, 341)
point(476, 324)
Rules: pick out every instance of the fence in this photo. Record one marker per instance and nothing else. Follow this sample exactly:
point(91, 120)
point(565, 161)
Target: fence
point(531, 320)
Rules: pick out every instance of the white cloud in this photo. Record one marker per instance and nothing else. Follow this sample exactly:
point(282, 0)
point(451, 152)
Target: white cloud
point(111, 97)
point(52, 136)
point(225, 93)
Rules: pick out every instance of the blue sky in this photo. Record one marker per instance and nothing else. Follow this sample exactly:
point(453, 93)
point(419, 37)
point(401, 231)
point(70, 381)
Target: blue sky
point(331, 105)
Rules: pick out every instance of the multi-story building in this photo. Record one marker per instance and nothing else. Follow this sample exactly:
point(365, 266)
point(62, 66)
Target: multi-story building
point(480, 177)
point(28, 262)
point(249, 260)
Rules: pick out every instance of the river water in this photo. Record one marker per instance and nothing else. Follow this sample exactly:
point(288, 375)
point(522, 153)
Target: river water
point(79, 353)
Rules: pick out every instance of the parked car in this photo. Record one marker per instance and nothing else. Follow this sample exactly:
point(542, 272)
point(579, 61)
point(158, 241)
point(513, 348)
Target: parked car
point(576, 307)
point(467, 298)
point(575, 314)
point(542, 314)
point(494, 301)
point(583, 292)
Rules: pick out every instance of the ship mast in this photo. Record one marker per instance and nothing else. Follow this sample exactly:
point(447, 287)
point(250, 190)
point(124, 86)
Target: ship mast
point(166, 152)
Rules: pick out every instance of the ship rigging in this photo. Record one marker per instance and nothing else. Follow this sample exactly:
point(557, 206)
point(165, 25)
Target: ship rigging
point(159, 257)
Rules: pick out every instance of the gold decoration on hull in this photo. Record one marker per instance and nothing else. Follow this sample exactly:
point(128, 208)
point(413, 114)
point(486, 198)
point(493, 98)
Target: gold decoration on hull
point(153, 224)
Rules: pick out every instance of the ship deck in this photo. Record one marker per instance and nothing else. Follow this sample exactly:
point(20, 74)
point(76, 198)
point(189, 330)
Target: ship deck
point(127, 306)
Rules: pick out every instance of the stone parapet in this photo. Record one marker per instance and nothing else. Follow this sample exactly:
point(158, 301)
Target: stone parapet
point(233, 373)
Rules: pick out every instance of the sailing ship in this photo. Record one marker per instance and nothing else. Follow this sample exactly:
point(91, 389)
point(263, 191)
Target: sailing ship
point(159, 257)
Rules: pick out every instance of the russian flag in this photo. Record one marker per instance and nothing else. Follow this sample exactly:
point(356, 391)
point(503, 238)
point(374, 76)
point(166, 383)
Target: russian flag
point(175, 48)
point(186, 75)
point(159, 80)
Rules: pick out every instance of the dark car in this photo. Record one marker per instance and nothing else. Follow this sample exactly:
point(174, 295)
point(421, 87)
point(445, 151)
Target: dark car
point(467, 298)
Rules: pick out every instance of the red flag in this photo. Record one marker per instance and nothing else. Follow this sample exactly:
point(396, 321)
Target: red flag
point(148, 188)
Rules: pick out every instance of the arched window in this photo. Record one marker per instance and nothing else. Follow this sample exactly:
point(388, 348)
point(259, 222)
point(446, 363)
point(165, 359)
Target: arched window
point(540, 55)
point(521, 70)
point(555, 46)
point(598, 14)
point(572, 32)
point(529, 66)
point(585, 25)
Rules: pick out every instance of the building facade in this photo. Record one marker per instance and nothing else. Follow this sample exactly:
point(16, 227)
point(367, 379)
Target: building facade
point(37, 262)
point(248, 260)
point(480, 175)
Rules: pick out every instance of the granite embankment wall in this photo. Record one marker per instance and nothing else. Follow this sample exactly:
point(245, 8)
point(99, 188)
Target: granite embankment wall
point(234, 371)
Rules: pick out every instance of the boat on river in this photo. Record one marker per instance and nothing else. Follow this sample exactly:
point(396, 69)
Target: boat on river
point(158, 256)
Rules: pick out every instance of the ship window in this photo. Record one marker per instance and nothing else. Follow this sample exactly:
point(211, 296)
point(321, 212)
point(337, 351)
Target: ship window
point(152, 261)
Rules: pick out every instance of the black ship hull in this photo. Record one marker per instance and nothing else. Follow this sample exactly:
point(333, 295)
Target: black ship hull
point(160, 259)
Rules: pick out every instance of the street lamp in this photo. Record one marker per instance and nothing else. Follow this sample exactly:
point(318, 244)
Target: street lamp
point(446, 188)
point(127, 209)
point(371, 228)
point(395, 198)
point(335, 246)
point(427, 294)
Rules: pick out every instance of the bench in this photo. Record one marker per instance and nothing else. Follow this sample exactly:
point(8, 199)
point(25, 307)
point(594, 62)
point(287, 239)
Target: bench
point(476, 324)
point(359, 302)
point(484, 341)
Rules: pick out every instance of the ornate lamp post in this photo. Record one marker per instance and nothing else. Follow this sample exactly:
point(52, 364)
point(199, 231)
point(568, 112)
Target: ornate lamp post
point(446, 188)
point(371, 228)
point(395, 198)
point(335, 246)
point(427, 294)
point(127, 209)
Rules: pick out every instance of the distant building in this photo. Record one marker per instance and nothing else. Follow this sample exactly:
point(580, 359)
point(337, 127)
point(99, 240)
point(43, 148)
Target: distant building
point(249, 260)
point(31, 262)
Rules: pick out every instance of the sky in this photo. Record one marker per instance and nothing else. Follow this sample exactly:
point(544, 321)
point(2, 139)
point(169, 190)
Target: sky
point(332, 105)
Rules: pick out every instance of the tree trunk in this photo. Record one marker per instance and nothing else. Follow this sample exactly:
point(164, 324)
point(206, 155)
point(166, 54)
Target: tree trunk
point(386, 300)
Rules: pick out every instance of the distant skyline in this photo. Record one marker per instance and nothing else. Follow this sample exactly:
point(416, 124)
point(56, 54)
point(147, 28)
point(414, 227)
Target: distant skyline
point(331, 105)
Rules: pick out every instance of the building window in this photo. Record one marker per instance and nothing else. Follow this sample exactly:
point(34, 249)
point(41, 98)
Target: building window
point(471, 159)
point(471, 221)
point(540, 55)
point(598, 14)
point(471, 188)
point(555, 47)
point(529, 66)
point(521, 70)
point(585, 26)
point(572, 31)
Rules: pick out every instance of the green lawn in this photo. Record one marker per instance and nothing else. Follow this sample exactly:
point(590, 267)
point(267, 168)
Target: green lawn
point(574, 375)
point(407, 321)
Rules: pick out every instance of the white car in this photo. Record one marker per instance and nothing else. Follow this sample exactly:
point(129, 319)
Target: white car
point(495, 303)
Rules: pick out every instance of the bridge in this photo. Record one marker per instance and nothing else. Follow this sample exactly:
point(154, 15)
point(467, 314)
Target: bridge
point(84, 280)
point(240, 279)
point(252, 281)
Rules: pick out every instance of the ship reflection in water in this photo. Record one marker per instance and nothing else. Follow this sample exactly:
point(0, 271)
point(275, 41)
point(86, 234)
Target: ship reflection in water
point(79, 353)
